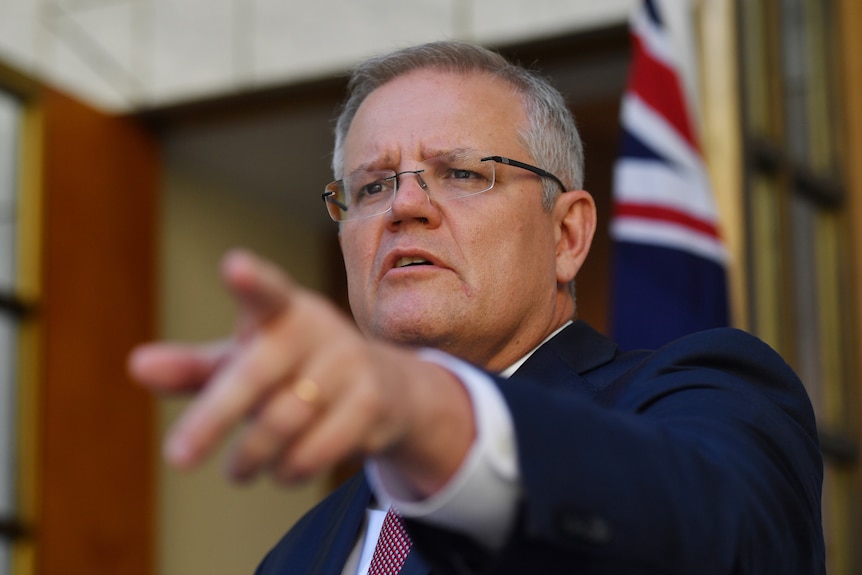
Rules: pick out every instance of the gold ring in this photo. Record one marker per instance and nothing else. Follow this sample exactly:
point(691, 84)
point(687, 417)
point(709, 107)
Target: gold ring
point(307, 390)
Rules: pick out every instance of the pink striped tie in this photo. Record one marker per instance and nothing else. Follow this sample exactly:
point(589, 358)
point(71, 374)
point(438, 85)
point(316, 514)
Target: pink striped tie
point(392, 548)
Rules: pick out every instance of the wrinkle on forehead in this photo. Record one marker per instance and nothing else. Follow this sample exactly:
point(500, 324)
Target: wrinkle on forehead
point(391, 160)
point(424, 128)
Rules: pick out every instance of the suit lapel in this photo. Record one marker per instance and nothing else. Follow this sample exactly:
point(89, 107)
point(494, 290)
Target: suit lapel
point(568, 358)
point(343, 516)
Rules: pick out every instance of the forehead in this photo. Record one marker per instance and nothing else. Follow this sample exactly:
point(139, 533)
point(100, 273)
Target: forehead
point(428, 111)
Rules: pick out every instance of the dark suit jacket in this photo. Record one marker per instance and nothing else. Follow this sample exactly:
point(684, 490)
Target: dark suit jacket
point(701, 457)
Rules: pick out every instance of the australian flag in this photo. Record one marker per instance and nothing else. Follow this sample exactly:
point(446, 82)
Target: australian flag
point(669, 259)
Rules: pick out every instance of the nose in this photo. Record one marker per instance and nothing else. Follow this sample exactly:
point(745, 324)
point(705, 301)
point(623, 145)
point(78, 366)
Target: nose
point(406, 187)
point(412, 200)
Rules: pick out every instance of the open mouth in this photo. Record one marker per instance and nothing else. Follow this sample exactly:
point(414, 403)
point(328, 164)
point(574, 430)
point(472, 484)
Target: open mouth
point(405, 262)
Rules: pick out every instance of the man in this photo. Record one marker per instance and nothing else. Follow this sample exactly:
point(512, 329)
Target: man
point(463, 225)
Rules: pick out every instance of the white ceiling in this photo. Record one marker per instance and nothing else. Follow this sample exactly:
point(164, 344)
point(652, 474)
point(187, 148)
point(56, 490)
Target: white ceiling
point(124, 55)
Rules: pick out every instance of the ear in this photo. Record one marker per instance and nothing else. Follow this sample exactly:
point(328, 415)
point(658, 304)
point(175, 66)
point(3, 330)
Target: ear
point(575, 219)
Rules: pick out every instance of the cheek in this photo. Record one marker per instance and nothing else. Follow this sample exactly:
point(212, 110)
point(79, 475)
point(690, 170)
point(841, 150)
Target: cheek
point(497, 252)
point(356, 268)
point(528, 248)
point(358, 258)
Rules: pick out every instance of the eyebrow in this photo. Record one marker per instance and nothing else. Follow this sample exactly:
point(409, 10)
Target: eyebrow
point(450, 153)
point(454, 153)
point(373, 165)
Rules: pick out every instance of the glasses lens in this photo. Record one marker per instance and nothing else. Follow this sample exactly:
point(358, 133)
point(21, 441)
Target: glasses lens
point(333, 197)
point(458, 175)
point(360, 195)
point(364, 194)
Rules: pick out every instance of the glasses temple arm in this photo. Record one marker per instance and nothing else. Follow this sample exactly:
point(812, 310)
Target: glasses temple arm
point(330, 197)
point(530, 168)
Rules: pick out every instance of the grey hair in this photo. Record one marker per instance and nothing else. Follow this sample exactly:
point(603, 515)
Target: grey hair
point(550, 136)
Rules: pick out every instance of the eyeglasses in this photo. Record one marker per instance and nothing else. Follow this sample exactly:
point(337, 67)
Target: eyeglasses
point(367, 193)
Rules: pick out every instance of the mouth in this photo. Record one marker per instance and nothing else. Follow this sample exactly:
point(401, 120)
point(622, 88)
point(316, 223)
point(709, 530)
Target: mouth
point(404, 262)
point(412, 258)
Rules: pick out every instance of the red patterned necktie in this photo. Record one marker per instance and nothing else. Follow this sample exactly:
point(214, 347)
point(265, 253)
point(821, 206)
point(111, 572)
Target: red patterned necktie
point(392, 548)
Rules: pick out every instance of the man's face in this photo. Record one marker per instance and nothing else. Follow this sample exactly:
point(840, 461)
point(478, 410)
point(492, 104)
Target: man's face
point(489, 291)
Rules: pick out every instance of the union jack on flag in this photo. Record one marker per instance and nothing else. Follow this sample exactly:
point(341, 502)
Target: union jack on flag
point(669, 258)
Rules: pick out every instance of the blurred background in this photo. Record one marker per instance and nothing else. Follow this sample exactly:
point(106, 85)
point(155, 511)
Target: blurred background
point(140, 139)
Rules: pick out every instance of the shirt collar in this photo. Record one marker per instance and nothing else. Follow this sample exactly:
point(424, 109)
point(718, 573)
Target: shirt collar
point(507, 373)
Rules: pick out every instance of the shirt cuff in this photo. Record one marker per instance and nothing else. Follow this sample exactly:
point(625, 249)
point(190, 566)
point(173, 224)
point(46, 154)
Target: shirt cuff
point(481, 499)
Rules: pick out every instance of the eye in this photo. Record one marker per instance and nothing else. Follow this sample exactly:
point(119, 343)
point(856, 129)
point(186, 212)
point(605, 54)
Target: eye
point(462, 174)
point(374, 188)
point(459, 174)
point(371, 189)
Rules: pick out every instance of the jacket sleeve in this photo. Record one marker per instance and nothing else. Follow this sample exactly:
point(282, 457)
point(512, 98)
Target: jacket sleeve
point(700, 458)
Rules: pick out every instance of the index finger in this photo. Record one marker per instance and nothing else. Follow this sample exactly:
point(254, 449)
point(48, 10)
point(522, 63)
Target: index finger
point(233, 393)
point(172, 367)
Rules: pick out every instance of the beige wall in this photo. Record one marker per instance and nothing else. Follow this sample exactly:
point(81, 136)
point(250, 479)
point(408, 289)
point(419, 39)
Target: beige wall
point(206, 525)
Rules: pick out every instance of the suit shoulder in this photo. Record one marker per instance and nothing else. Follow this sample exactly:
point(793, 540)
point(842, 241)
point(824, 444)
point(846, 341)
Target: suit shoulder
point(725, 358)
point(731, 350)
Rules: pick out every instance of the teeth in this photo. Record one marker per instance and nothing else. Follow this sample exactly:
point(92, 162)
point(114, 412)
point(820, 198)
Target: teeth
point(402, 262)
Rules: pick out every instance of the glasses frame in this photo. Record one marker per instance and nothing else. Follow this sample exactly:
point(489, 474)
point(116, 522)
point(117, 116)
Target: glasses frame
point(529, 167)
point(329, 197)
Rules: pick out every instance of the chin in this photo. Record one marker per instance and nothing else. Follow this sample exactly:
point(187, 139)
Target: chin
point(421, 331)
